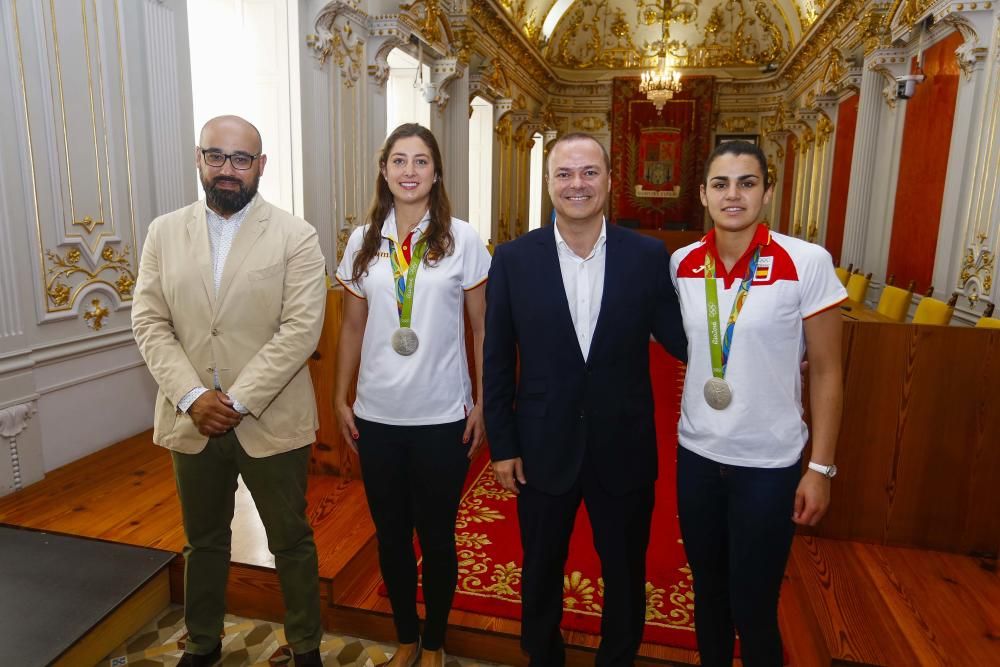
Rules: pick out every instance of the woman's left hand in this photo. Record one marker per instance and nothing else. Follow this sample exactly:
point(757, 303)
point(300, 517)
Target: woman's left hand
point(475, 431)
point(812, 499)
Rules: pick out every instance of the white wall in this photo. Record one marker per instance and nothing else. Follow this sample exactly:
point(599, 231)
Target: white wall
point(95, 144)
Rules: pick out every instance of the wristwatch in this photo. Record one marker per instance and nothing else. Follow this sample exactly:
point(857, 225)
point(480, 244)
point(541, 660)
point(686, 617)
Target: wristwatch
point(827, 471)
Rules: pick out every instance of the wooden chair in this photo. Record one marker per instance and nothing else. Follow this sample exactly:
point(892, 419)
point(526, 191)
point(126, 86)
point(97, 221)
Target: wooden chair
point(857, 287)
point(895, 302)
point(844, 274)
point(934, 311)
point(987, 321)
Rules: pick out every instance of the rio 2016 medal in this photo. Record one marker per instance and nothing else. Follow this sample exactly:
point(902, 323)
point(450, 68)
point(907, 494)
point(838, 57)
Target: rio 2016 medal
point(718, 393)
point(404, 341)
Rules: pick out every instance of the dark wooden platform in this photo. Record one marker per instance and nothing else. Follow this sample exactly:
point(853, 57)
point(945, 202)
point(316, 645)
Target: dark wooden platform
point(843, 602)
point(66, 599)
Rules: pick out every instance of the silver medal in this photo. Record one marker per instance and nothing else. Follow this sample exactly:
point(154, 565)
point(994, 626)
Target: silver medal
point(404, 341)
point(718, 393)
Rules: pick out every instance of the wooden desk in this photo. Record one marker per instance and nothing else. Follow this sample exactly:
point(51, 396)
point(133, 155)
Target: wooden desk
point(859, 312)
point(919, 465)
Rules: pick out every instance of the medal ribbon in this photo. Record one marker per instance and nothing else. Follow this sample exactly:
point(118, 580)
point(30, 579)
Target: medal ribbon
point(719, 344)
point(405, 276)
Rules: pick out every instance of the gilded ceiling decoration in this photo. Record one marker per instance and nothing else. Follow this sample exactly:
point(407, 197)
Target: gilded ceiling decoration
point(631, 34)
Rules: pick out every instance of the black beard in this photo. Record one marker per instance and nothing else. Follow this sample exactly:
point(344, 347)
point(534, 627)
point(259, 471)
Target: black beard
point(228, 202)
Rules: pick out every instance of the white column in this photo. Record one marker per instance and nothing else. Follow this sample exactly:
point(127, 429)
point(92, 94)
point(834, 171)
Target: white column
point(780, 139)
point(970, 213)
point(830, 107)
point(872, 104)
point(450, 123)
point(807, 148)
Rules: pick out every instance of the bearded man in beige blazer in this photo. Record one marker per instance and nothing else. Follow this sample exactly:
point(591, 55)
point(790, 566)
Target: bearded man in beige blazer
point(227, 308)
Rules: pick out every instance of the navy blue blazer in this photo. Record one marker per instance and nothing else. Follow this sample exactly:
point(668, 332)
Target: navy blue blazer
point(559, 404)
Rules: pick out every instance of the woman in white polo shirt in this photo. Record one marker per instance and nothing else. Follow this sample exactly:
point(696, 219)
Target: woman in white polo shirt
point(754, 304)
point(408, 274)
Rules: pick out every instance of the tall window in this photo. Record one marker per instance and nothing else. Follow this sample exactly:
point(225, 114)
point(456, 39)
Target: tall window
point(241, 64)
point(405, 101)
point(481, 168)
point(536, 183)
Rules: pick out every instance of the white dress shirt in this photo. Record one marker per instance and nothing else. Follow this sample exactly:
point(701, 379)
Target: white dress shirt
point(583, 280)
point(221, 232)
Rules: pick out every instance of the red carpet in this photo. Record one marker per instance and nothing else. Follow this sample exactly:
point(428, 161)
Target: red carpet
point(489, 545)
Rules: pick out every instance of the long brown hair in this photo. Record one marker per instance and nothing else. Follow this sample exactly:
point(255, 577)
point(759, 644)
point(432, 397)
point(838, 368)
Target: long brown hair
point(440, 242)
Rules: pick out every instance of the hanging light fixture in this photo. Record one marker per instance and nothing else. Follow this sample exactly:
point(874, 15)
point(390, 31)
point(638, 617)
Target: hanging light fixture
point(662, 81)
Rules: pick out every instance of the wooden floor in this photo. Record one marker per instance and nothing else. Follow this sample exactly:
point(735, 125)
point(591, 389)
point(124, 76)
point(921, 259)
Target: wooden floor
point(842, 603)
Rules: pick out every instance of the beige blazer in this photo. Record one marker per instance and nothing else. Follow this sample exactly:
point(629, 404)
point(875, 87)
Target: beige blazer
point(258, 331)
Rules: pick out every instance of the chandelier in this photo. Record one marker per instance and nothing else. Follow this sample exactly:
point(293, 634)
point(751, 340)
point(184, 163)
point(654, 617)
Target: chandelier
point(660, 83)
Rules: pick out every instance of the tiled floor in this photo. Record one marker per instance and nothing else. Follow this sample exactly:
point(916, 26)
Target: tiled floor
point(248, 642)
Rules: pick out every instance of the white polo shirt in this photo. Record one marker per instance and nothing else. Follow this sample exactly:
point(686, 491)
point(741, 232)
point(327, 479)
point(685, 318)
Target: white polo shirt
point(432, 385)
point(763, 425)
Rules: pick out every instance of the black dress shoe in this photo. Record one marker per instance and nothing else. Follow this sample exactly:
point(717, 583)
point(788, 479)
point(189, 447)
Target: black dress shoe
point(308, 659)
point(206, 660)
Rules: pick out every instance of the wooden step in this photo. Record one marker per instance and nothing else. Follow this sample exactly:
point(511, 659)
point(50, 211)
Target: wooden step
point(878, 605)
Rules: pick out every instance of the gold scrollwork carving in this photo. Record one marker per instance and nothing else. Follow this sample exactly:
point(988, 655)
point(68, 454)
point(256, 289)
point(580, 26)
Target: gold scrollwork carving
point(530, 24)
point(889, 89)
point(497, 80)
point(976, 275)
point(971, 50)
point(617, 50)
point(504, 131)
point(344, 235)
point(873, 30)
point(347, 49)
point(731, 40)
point(58, 284)
point(88, 223)
point(483, 13)
point(824, 129)
point(96, 314)
point(835, 24)
point(911, 11)
point(589, 123)
point(738, 124)
point(835, 69)
point(428, 19)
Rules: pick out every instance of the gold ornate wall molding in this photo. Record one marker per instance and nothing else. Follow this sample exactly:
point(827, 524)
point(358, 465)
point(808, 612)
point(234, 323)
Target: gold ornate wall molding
point(978, 264)
point(590, 123)
point(829, 29)
point(532, 72)
point(737, 124)
point(889, 64)
point(973, 21)
point(340, 32)
point(75, 124)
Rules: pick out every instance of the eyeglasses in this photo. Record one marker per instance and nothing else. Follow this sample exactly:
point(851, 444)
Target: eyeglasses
point(240, 161)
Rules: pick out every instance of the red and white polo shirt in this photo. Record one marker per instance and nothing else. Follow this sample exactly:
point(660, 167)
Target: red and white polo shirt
point(763, 426)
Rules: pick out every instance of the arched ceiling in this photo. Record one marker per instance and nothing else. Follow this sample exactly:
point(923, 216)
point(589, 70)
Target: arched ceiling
point(628, 34)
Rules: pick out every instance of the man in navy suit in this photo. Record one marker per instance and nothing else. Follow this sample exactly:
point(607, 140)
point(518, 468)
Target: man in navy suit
point(568, 400)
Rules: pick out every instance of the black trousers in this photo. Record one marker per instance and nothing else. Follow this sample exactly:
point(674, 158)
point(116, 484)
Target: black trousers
point(737, 528)
point(413, 478)
point(620, 524)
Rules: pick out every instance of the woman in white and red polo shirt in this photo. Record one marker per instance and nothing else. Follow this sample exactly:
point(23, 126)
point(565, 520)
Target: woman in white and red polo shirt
point(409, 273)
point(755, 303)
